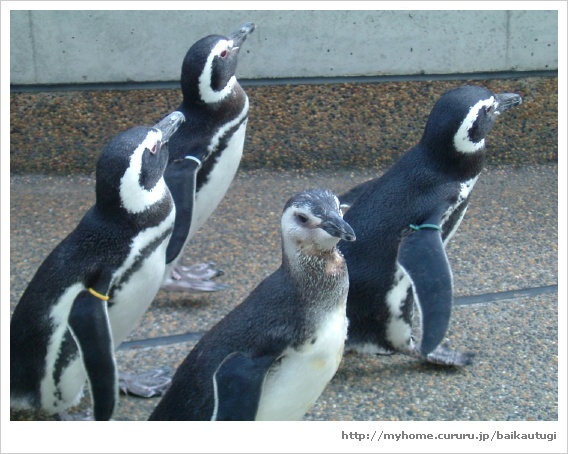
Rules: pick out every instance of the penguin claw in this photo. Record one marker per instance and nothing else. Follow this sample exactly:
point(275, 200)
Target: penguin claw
point(194, 279)
point(145, 384)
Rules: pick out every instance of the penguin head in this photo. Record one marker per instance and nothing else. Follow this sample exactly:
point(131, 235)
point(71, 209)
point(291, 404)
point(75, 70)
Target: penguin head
point(312, 222)
point(130, 169)
point(462, 118)
point(208, 69)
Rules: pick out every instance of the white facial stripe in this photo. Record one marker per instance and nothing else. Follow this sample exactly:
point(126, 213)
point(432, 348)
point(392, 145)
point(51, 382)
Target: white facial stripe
point(462, 141)
point(134, 197)
point(208, 95)
point(222, 131)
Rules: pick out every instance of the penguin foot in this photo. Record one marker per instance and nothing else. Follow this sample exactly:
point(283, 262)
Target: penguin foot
point(195, 279)
point(146, 384)
point(445, 356)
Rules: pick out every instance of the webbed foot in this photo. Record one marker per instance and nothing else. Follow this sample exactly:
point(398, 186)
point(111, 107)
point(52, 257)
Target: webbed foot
point(194, 279)
point(445, 356)
point(146, 384)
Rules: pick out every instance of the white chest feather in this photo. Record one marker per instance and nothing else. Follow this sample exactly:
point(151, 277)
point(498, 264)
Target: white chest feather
point(222, 174)
point(465, 190)
point(131, 299)
point(294, 385)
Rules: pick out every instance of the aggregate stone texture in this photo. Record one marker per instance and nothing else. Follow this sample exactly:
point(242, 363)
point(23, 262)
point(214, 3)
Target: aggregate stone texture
point(308, 127)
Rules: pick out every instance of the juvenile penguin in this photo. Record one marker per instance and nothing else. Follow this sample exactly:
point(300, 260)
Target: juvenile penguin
point(272, 356)
point(91, 290)
point(206, 150)
point(404, 220)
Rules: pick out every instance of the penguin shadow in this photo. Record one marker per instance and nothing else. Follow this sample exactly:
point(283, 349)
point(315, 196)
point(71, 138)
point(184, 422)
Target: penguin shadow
point(30, 415)
point(384, 388)
point(81, 412)
point(195, 301)
point(367, 373)
point(180, 312)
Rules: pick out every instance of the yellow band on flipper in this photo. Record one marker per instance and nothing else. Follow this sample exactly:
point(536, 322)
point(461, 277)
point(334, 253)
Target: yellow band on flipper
point(98, 295)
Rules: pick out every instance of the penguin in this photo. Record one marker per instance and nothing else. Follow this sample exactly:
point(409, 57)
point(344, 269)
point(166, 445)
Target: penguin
point(405, 218)
point(210, 142)
point(91, 290)
point(272, 356)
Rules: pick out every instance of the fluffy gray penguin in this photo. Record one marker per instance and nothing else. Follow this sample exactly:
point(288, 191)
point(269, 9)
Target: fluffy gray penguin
point(92, 289)
point(272, 356)
point(210, 142)
point(404, 220)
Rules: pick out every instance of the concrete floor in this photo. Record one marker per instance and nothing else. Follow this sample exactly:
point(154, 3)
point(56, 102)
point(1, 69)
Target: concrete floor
point(497, 249)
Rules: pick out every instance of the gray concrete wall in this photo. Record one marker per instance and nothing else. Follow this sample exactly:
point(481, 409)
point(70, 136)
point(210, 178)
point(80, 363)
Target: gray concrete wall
point(67, 47)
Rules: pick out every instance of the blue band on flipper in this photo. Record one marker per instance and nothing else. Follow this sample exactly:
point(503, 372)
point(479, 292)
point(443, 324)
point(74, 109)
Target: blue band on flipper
point(425, 226)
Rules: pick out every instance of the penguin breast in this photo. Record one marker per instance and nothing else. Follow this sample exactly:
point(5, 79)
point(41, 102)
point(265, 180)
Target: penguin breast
point(219, 180)
point(139, 278)
point(296, 381)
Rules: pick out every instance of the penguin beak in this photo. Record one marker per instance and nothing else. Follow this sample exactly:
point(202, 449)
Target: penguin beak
point(506, 101)
point(337, 227)
point(241, 34)
point(169, 125)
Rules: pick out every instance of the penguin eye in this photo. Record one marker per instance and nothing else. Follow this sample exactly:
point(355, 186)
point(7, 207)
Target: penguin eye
point(224, 53)
point(154, 148)
point(489, 109)
point(302, 218)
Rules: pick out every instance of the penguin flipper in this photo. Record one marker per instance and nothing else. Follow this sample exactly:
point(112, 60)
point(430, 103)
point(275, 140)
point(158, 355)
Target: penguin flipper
point(181, 178)
point(423, 258)
point(238, 383)
point(89, 324)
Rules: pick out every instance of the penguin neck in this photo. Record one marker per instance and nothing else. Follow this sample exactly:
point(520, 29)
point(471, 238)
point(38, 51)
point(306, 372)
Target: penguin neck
point(232, 102)
point(321, 274)
point(450, 161)
point(112, 207)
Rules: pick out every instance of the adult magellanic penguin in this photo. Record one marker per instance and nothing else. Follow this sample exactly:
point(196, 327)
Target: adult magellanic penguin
point(403, 221)
point(91, 290)
point(272, 356)
point(211, 140)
